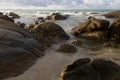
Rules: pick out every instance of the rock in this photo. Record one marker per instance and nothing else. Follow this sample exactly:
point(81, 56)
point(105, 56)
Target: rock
point(21, 24)
point(113, 36)
point(76, 42)
point(108, 70)
point(79, 70)
point(1, 13)
point(49, 33)
point(67, 48)
point(40, 18)
point(57, 16)
point(13, 15)
point(18, 49)
point(92, 28)
point(48, 18)
point(29, 27)
point(114, 14)
point(85, 69)
point(5, 17)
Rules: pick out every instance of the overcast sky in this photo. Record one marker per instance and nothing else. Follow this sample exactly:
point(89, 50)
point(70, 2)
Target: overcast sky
point(60, 4)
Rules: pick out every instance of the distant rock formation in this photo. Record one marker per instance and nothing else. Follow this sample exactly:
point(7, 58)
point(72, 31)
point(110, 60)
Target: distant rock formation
point(57, 16)
point(13, 15)
point(114, 14)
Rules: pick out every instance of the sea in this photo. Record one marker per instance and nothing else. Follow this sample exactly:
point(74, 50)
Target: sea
point(50, 66)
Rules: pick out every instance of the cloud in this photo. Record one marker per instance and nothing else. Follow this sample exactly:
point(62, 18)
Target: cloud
point(61, 4)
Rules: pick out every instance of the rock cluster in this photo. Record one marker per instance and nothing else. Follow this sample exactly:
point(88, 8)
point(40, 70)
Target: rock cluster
point(100, 30)
point(85, 69)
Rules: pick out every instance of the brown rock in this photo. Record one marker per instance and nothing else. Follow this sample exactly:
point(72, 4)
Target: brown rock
point(49, 33)
point(18, 49)
point(76, 42)
point(57, 16)
point(92, 28)
point(83, 69)
point(13, 15)
point(67, 48)
point(1, 13)
point(5, 17)
point(113, 36)
point(114, 14)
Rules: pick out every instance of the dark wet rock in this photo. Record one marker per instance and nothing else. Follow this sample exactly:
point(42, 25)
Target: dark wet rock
point(76, 42)
point(85, 69)
point(108, 70)
point(57, 16)
point(29, 27)
point(113, 36)
point(114, 14)
point(40, 18)
point(21, 24)
point(13, 15)
point(48, 17)
point(92, 28)
point(5, 17)
point(18, 49)
point(1, 13)
point(49, 33)
point(67, 48)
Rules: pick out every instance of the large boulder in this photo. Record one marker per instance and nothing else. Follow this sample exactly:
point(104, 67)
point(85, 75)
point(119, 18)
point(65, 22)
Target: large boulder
point(92, 28)
point(13, 15)
point(85, 69)
point(5, 17)
point(57, 16)
point(18, 49)
point(113, 36)
point(114, 14)
point(49, 32)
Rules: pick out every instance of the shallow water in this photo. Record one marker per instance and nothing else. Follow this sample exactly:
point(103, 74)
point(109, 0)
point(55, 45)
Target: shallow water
point(49, 66)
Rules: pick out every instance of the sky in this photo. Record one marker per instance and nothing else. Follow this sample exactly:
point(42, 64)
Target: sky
point(59, 4)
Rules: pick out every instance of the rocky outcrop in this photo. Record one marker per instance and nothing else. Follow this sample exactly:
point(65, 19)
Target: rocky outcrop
point(92, 28)
point(67, 48)
point(113, 36)
point(5, 17)
point(85, 69)
point(18, 49)
point(49, 33)
point(57, 16)
point(114, 14)
point(13, 15)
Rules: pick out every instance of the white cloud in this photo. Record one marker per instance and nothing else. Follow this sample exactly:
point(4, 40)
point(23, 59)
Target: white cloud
point(61, 4)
